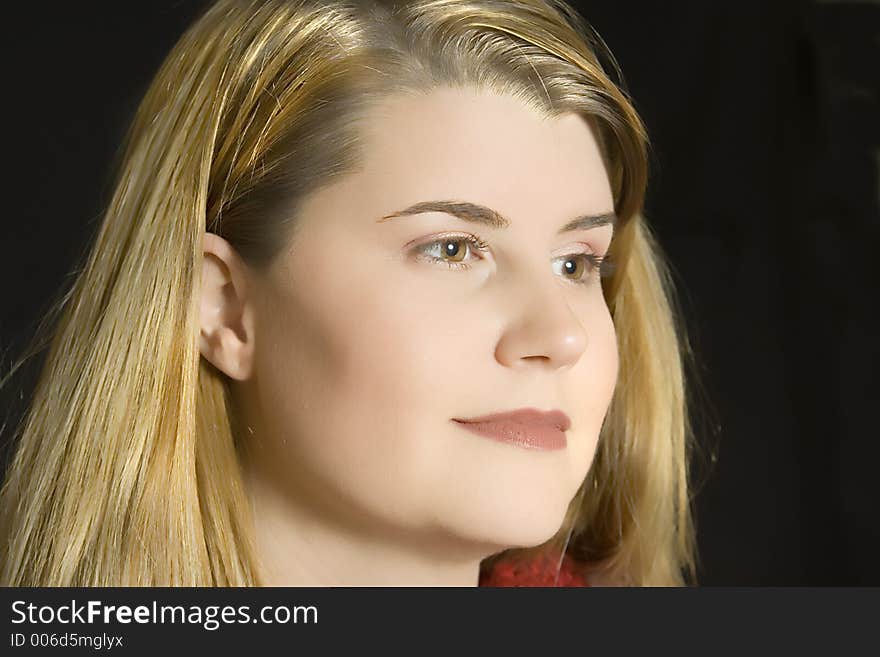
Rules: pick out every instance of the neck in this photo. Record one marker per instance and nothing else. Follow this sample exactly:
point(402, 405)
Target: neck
point(300, 545)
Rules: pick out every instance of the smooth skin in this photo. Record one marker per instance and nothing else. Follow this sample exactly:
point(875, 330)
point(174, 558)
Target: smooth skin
point(351, 355)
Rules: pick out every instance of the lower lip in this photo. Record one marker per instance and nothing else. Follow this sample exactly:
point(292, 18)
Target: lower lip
point(529, 436)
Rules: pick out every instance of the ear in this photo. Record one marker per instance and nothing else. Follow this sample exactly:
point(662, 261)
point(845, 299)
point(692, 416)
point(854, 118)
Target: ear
point(226, 338)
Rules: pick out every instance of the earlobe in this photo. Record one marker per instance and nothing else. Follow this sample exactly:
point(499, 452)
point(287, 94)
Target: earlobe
point(226, 335)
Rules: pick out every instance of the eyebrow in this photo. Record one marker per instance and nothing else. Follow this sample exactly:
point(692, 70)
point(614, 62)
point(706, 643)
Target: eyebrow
point(483, 215)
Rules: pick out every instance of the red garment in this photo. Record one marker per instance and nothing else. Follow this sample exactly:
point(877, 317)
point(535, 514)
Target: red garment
point(540, 571)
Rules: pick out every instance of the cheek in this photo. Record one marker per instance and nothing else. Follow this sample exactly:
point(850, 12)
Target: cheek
point(601, 362)
point(590, 385)
point(354, 379)
point(395, 351)
point(598, 366)
point(607, 357)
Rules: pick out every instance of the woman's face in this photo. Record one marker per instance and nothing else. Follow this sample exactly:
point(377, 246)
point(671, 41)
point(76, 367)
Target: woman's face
point(372, 336)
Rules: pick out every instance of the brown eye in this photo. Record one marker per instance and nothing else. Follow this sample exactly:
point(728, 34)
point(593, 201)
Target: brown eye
point(574, 267)
point(453, 250)
point(579, 268)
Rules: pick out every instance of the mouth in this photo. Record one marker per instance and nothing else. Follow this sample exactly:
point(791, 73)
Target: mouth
point(528, 428)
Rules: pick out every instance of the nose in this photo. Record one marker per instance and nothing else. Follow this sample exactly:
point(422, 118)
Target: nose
point(543, 330)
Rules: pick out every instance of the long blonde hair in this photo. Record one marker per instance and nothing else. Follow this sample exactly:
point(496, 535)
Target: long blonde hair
point(127, 468)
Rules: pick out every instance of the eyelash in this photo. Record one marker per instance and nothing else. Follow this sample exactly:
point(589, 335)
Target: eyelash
point(601, 264)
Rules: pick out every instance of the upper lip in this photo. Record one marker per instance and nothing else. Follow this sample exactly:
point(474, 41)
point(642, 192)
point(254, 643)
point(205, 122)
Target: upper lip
point(531, 416)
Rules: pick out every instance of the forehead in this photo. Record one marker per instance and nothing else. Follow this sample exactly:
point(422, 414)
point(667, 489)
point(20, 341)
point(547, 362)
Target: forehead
point(485, 147)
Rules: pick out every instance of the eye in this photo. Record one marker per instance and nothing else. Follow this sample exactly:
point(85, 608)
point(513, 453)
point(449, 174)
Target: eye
point(582, 268)
point(452, 250)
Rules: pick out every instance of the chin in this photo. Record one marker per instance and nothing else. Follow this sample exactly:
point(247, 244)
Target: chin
point(512, 524)
point(529, 532)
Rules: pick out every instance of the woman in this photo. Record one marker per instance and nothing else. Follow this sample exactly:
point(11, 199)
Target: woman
point(373, 303)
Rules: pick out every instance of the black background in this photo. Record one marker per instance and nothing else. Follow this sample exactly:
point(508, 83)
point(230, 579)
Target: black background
point(764, 193)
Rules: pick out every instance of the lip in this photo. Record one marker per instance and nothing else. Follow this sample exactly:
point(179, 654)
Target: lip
point(527, 427)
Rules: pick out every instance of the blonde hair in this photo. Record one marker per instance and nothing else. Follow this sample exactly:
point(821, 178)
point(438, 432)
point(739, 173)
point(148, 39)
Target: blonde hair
point(127, 470)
